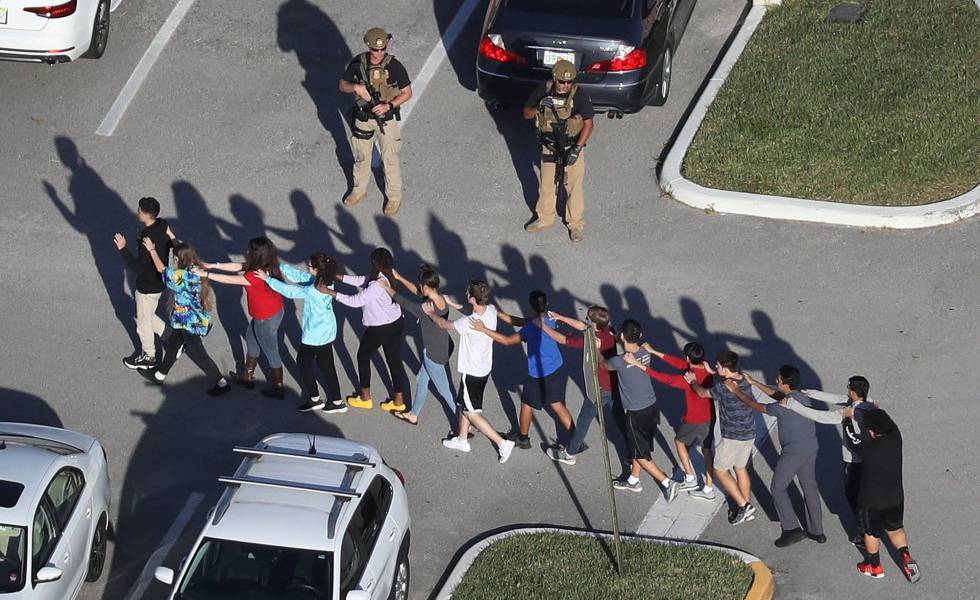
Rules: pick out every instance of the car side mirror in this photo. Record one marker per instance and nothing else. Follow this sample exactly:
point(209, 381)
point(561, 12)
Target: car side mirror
point(164, 575)
point(46, 574)
point(358, 595)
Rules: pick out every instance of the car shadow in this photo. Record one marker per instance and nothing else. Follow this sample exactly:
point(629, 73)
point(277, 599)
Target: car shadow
point(21, 407)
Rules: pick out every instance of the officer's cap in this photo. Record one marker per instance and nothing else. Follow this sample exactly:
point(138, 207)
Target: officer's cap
point(377, 38)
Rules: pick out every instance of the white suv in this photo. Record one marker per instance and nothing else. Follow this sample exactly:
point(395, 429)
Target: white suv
point(303, 518)
point(54, 511)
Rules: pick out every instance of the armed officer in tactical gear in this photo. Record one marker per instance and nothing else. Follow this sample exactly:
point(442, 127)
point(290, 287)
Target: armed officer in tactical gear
point(562, 113)
point(380, 85)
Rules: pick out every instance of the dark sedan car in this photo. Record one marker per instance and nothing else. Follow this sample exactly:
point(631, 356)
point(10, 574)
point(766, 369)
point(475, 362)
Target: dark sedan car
point(622, 49)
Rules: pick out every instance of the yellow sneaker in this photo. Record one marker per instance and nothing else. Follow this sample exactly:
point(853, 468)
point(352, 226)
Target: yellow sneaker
point(356, 402)
point(392, 407)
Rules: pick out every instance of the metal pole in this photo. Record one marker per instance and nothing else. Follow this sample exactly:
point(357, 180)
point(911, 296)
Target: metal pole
point(592, 380)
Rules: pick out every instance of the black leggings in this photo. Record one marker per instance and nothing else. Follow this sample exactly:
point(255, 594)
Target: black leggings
point(193, 346)
point(323, 356)
point(388, 337)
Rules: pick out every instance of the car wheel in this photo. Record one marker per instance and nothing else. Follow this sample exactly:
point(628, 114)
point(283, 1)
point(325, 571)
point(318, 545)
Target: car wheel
point(96, 556)
point(100, 31)
point(399, 587)
point(662, 90)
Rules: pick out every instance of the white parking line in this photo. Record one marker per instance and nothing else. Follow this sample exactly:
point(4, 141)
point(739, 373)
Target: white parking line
point(156, 559)
point(142, 69)
point(438, 54)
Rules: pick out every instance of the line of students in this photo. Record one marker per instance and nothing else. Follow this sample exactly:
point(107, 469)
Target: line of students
point(872, 442)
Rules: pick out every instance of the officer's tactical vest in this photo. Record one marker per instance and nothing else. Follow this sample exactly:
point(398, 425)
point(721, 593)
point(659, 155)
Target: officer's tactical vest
point(376, 77)
point(563, 108)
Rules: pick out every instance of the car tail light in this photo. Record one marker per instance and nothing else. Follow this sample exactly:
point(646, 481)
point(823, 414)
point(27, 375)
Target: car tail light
point(400, 475)
point(54, 12)
point(627, 58)
point(492, 47)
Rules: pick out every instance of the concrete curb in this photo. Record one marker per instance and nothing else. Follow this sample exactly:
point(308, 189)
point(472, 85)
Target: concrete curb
point(763, 586)
point(780, 207)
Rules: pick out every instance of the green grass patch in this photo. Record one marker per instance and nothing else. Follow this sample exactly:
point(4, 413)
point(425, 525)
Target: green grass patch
point(885, 112)
point(556, 566)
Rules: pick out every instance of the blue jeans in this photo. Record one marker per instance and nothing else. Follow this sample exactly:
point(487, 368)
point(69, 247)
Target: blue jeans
point(262, 337)
point(584, 421)
point(439, 375)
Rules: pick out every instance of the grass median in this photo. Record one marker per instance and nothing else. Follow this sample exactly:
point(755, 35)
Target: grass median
point(576, 567)
point(883, 112)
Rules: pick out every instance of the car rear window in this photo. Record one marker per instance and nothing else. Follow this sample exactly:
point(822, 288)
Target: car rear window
point(579, 8)
point(10, 492)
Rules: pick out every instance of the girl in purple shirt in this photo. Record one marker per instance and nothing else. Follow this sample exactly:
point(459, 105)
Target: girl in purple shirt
point(384, 325)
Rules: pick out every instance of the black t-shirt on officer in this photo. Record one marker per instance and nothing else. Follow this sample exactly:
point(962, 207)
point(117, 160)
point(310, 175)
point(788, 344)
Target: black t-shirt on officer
point(581, 103)
point(397, 75)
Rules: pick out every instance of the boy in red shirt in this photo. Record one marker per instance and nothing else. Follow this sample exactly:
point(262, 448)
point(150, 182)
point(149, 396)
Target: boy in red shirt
point(698, 423)
point(599, 316)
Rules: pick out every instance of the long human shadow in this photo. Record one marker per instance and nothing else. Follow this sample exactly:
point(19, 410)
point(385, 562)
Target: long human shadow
point(158, 482)
point(21, 407)
point(98, 213)
point(320, 48)
point(198, 226)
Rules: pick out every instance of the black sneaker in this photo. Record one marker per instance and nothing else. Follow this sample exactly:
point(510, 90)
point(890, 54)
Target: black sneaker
point(817, 537)
point(219, 389)
point(151, 376)
point(521, 441)
point(336, 406)
point(311, 404)
point(140, 361)
point(790, 537)
point(742, 515)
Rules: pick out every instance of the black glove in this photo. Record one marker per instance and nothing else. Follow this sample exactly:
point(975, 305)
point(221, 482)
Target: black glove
point(573, 155)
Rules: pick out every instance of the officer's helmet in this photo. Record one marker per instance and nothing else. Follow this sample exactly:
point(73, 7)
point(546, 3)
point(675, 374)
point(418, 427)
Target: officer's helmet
point(564, 71)
point(377, 38)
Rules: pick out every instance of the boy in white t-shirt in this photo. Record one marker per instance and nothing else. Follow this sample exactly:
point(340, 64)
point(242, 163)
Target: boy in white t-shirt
point(475, 361)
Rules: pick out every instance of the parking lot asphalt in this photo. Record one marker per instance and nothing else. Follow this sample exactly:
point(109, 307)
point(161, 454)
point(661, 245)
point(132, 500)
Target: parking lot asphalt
point(239, 131)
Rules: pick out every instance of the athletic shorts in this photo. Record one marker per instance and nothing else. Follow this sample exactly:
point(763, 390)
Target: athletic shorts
point(733, 454)
point(539, 391)
point(874, 520)
point(470, 397)
point(641, 429)
point(691, 434)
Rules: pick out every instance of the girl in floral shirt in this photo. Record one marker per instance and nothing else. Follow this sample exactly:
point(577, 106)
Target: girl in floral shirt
point(190, 320)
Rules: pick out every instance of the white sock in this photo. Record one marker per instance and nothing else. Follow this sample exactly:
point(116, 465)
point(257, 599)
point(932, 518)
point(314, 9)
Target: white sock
point(707, 489)
point(688, 478)
point(665, 482)
point(632, 480)
point(159, 376)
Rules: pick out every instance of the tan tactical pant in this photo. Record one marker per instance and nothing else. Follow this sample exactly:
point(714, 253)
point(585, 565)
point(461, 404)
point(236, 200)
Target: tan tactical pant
point(148, 323)
point(390, 142)
point(547, 197)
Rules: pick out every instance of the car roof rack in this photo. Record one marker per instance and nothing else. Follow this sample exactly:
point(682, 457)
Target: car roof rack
point(345, 493)
point(342, 494)
point(356, 460)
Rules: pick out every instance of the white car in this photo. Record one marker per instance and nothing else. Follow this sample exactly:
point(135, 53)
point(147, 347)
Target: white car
point(54, 31)
point(54, 511)
point(303, 518)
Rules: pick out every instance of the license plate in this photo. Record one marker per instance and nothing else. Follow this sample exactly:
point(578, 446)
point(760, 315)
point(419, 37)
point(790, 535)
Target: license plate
point(551, 57)
point(3, 16)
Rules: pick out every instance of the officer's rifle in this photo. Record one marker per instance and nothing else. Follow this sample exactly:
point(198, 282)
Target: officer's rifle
point(559, 145)
point(376, 100)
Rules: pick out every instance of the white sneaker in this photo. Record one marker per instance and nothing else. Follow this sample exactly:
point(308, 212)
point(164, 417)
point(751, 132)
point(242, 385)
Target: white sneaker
point(670, 492)
point(687, 485)
point(505, 448)
point(560, 454)
point(454, 443)
point(700, 493)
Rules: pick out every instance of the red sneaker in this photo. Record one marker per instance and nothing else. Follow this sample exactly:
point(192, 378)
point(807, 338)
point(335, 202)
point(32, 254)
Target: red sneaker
point(910, 568)
point(865, 568)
